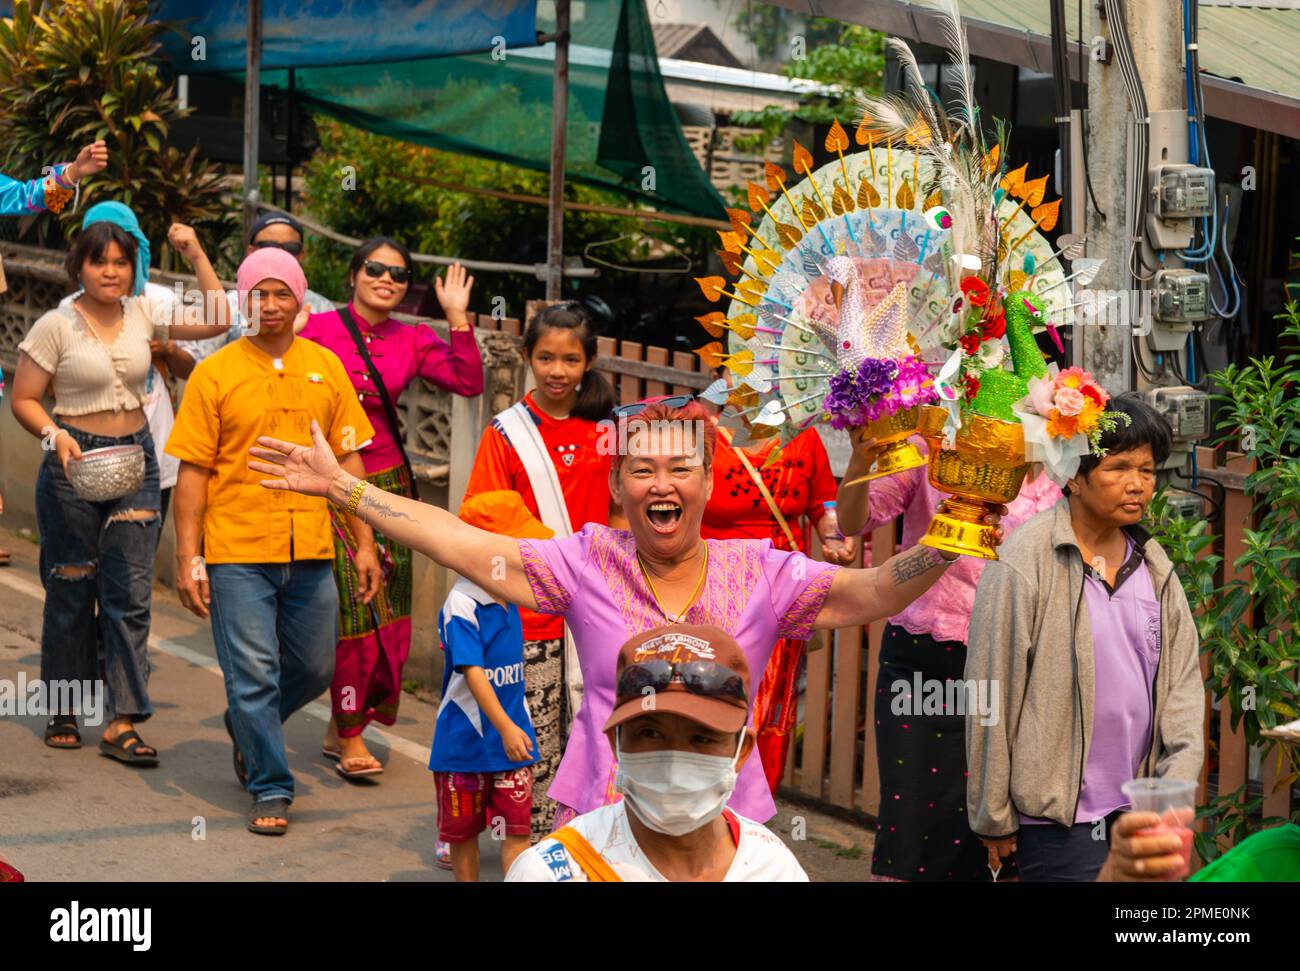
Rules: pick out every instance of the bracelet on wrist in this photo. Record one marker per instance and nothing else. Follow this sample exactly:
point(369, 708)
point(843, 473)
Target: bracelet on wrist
point(354, 497)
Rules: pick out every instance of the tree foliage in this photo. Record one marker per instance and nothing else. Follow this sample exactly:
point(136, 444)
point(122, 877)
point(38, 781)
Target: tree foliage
point(850, 63)
point(361, 185)
point(1250, 624)
point(74, 72)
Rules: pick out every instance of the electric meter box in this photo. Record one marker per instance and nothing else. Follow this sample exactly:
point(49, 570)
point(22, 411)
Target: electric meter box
point(1182, 191)
point(1186, 409)
point(1184, 505)
point(1181, 296)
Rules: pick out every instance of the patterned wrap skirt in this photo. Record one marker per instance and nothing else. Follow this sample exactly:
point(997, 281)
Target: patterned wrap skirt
point(374, 638)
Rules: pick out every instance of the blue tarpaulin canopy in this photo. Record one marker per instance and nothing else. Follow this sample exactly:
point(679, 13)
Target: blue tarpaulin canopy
point(333, 32)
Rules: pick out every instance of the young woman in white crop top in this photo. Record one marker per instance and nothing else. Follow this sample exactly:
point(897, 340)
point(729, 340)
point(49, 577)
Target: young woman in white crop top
point(97, 558)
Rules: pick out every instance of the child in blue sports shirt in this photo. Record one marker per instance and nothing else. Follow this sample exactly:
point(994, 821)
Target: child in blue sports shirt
point(483, 742)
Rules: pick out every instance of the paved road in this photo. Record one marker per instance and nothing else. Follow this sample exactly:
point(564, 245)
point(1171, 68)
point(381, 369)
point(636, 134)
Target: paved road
point(76, 816)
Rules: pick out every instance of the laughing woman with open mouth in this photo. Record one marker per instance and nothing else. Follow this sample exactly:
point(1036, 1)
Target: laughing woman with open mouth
point(610, 584)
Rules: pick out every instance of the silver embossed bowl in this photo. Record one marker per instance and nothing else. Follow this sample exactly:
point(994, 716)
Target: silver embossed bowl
point(103, 474)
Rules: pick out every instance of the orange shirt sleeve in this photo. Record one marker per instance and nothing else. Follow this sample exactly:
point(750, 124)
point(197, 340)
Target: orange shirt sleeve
point(491, 469)
point(197, 433)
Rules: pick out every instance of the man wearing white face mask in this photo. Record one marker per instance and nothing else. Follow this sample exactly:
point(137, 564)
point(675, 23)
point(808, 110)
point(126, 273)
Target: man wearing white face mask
point(679, 736)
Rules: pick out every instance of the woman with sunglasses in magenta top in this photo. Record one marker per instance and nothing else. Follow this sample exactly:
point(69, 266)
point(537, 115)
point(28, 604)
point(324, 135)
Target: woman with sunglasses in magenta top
point(609, 584)
point(382, 357)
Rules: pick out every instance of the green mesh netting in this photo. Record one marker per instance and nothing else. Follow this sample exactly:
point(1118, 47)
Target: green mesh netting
point(622, 130)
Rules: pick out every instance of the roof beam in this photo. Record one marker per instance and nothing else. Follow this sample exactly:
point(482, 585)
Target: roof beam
point(1224, 99)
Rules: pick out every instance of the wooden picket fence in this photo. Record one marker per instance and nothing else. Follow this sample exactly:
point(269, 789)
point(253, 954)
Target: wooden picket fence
point(635, 370)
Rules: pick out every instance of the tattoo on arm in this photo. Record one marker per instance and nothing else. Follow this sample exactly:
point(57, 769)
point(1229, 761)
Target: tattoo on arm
point(371, 501)
point(912, 565)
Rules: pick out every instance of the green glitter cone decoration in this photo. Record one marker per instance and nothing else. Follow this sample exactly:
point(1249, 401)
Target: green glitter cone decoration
point(1000, 389)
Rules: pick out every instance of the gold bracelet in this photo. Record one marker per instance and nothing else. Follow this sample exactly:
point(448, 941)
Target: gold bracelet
point(354, 497)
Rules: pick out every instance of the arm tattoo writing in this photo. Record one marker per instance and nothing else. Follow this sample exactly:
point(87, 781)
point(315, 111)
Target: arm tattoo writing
point(372, 501)
point(912, 565)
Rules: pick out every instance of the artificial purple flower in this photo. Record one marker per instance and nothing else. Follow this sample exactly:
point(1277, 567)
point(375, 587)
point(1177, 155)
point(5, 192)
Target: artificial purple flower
point(878, 388)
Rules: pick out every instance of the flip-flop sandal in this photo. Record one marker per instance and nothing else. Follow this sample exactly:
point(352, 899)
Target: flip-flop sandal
point(62, 725)
point(118, 749)
point(442, 853)
point(4, 557)
point(356, 773)
point(331, 753)
point(277, 808)
point(241, 770)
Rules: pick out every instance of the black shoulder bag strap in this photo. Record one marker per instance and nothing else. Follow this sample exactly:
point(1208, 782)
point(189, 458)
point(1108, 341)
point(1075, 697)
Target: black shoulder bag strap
point(389, 410)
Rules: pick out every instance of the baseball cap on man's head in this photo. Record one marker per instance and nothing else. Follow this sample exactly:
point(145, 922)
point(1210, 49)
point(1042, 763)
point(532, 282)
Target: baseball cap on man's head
point(697, 671)
point(272, 219)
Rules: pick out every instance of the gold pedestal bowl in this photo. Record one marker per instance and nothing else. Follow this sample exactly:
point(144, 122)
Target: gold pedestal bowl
point(984, 471)
point(894, 453)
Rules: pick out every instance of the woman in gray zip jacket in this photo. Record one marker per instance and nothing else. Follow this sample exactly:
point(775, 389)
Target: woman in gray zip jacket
point(1084, 634)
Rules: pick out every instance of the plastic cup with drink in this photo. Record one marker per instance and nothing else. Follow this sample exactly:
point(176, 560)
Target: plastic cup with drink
point(1174, 801)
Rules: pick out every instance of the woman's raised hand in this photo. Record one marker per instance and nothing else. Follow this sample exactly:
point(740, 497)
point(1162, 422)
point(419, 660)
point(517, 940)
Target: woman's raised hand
point(91, 159)
point(453, 293)
point(297, 468)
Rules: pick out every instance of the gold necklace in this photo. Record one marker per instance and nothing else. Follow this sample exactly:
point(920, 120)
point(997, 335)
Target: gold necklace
point(704, 569)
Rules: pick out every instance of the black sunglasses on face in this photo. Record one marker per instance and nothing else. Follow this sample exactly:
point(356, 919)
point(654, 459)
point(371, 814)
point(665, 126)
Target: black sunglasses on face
point(636, 407)
point(292, 248)
point(375, 269)
point(708, 679)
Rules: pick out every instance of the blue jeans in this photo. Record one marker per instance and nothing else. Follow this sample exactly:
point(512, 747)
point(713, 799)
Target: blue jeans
point(275, 626)
point(98, 577)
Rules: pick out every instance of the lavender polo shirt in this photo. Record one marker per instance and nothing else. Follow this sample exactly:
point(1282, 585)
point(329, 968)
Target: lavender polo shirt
point(1125, 625)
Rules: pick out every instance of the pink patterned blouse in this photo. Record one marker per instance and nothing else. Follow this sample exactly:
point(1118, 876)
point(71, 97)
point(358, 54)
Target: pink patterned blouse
point(755, 593)
point(943, 611)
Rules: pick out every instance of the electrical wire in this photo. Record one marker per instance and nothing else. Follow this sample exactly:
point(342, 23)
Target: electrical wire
point(1083, 118)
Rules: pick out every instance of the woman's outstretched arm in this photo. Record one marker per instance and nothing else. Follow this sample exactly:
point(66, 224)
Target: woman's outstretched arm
point(488, 559)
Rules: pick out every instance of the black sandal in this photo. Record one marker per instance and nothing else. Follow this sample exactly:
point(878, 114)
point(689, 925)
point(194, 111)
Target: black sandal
point(241, 770)
point(129, 755)
point(61, 725)
point(277, 808)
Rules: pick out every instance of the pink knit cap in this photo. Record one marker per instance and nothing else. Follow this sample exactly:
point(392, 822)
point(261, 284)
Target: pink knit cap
point(269, 263)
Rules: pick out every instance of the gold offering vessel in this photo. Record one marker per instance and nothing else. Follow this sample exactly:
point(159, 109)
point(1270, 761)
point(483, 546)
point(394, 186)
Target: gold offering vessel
point(984, 471)
point(894, 453)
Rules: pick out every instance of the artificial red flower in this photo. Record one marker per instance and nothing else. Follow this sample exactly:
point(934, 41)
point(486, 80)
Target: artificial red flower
point(1092, 391)
point(970, 343)
point(994, 327)
point(976, 290)
point(972, 386)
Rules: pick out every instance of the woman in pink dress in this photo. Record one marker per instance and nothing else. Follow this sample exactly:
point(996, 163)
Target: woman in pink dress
point(375, 638)
point(922, 833)
point(609, 584)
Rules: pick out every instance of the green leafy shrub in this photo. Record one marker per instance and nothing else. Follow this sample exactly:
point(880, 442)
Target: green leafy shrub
point(75, 72)
point(361, 184)
point(1252, 659)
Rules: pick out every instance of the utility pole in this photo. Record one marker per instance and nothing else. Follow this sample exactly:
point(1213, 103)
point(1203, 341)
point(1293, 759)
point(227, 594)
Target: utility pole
point(559, 125)
point(252, 111)
point(1156, 38)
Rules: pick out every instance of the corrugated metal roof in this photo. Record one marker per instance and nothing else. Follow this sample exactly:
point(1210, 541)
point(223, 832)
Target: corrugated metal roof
point(1258, 46)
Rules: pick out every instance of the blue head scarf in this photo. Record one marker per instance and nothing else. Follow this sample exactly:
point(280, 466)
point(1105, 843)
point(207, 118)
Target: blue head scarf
point(122, 216)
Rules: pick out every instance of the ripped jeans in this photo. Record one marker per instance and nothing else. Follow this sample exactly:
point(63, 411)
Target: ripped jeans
point(97, 569)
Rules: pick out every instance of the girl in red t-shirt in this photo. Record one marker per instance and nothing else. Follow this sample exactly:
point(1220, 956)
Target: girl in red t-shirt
point(558, 418)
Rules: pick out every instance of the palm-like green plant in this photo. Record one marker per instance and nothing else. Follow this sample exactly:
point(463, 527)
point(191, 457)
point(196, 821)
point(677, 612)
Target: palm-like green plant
point(73, 72)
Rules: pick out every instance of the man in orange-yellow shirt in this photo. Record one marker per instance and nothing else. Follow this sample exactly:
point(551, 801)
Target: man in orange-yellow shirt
point(263, 561)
